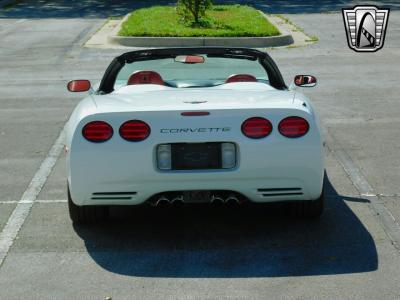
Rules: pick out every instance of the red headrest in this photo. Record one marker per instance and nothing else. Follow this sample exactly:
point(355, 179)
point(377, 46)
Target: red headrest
point(241, 78)
point(145, 77)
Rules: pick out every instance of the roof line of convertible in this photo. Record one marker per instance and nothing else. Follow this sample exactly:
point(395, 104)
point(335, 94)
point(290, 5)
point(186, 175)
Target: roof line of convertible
point(108, 80)
point(239, 51)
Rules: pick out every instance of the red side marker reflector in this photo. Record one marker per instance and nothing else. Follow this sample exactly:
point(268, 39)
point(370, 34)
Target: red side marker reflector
point(195, 113)
point(78, 85)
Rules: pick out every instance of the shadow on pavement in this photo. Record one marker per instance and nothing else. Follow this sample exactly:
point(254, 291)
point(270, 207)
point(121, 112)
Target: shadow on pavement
point(103, 8)
point(250, 241)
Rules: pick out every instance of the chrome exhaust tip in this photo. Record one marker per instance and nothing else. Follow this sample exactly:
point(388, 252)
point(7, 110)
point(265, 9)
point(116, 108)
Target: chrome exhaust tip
point(178, 201)
point(217, 200)
point(232, 200)
point(162, 202)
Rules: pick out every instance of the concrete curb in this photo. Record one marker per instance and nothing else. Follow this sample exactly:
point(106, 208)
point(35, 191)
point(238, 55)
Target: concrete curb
point(257, 42)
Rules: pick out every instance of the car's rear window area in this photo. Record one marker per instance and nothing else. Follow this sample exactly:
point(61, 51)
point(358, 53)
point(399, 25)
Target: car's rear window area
point(213, 71)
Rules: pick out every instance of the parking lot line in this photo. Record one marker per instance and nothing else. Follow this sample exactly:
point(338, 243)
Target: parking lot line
point(21, 211)
point(37, 201)
point(388, 221)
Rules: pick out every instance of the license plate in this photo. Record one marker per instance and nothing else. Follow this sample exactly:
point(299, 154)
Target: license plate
point(196, 156)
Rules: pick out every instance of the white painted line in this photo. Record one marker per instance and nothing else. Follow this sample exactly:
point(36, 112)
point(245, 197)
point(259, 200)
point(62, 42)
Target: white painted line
point(388, 221)
point(387, 195)
point(21, 211)
point(52, 201)
point(31, 201)
point(344, 196)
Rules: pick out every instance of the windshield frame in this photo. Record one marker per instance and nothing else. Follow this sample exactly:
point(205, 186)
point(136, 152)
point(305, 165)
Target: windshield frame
point(110, 75)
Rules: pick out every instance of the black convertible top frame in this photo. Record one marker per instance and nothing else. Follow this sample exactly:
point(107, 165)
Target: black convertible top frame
point(274, 75)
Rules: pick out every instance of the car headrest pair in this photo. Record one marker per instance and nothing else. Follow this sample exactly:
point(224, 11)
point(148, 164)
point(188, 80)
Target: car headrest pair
point(151, 77)
point(145, 77)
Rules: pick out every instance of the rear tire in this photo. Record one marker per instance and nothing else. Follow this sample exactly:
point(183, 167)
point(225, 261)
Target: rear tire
point(309, 209)
point(86, 214)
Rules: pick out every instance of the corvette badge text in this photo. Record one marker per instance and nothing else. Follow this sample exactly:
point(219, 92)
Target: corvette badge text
point(195, 130)
point(365, 27)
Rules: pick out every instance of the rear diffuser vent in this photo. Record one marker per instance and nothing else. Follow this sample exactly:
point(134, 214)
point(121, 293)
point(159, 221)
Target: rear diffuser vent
point(292, 191)
point(113, 195)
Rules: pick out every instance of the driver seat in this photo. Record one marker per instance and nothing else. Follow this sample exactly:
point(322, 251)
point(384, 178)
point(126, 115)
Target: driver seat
point(145, 77)
point(241, 78)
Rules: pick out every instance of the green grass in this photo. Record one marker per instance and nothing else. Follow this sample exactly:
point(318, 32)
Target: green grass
point(223, 20)
point(313, 39)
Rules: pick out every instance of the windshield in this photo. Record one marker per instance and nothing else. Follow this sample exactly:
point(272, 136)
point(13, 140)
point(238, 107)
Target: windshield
point(210, 71)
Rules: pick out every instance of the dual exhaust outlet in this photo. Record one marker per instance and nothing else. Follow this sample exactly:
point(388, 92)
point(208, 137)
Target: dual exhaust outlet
point(230, 200)
point(215, 199)
point(164, 201)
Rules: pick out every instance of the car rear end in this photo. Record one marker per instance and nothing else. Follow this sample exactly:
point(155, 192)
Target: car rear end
point(261, 154)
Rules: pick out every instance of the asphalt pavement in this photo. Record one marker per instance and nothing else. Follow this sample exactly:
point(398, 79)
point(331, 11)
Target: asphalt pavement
point(351, 252)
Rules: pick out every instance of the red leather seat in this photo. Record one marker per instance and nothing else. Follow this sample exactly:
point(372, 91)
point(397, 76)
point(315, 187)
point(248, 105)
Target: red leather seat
point(241, 78)
point(145, 77)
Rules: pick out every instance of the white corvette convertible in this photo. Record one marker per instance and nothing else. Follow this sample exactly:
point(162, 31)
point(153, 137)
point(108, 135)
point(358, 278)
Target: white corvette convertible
point(188, 125)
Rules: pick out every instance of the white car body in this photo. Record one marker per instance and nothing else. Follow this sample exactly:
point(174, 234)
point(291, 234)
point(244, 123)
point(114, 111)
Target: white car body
point(274, 168)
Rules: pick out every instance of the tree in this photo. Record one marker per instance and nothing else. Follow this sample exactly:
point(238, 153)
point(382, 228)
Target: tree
point(193, 10)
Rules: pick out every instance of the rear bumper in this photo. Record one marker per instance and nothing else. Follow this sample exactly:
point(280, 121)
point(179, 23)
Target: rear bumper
point(266, 172)
point(256, 190)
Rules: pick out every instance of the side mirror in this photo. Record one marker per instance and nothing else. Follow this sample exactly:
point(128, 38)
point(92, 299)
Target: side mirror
point(82, 85)
point(305, 80)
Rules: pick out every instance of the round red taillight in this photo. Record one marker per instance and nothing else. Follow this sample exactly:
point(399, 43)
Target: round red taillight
point(97, 131)
point(256, 128)
point(134, 130)
point(293, 127)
